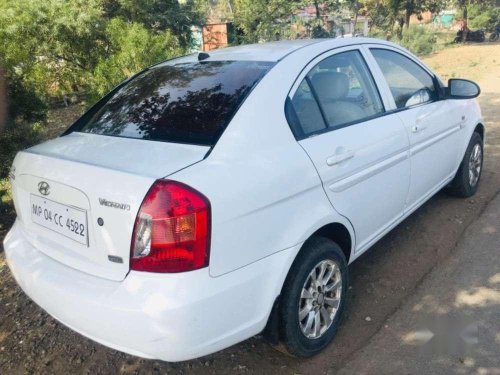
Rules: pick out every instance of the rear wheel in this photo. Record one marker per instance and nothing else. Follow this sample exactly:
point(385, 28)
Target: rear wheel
point(313, 298)
point(468, 175)
point(493, 37)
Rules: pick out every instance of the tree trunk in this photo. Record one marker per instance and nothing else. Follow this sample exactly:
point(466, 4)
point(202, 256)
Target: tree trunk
point(318, 11)
point(465, 30)
point(356, 7)
point(407, 18)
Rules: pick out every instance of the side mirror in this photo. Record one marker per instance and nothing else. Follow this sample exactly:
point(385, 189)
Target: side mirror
point(462, 89)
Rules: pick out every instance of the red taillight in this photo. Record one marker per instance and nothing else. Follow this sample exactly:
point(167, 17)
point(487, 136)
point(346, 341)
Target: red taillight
point(172, 230)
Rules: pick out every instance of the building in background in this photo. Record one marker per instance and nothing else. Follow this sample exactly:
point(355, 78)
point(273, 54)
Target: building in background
point(217, 35)
point(446, 18)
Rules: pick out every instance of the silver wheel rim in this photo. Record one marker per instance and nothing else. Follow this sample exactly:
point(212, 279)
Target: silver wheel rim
point(320, 299)
point(475, 164)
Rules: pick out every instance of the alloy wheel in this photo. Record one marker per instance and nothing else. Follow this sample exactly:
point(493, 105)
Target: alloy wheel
point(475, 164)
point(320, 299)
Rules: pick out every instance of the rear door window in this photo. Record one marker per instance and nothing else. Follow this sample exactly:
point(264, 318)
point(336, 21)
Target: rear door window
point(337, 92)
point(186, 102)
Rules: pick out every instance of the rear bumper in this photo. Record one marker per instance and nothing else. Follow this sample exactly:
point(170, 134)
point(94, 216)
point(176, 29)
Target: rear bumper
point(172, 317)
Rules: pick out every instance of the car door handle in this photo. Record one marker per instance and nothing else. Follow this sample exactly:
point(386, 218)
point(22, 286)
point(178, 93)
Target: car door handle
point(339, 158)
point(418, 128)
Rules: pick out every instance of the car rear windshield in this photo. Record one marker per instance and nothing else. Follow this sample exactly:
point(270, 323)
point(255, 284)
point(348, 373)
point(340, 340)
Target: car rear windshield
point(185, 102)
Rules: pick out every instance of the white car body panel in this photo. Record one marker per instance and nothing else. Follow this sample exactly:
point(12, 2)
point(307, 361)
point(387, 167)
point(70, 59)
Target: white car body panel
point(82, 169)
point(268, 194)
point(173, 317)
point(375, 174)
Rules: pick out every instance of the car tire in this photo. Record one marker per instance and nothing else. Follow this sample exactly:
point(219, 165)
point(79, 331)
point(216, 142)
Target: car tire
point(325, 301)
point(464, 184)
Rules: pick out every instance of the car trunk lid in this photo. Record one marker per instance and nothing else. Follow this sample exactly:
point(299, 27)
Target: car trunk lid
point(77, 196)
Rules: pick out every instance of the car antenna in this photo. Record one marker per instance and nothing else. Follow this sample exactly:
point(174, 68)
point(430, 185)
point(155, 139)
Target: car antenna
point(203, 56)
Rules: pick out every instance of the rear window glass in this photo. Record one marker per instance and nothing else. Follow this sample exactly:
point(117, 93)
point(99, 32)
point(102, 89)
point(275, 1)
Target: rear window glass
point(186, 102)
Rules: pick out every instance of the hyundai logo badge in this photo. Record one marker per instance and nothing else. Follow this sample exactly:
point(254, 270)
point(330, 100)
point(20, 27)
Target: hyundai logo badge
point(44, 188)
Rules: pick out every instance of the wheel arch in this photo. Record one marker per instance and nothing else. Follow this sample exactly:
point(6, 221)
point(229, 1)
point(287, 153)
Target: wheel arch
point(339, 234)
point(480, 130)
point(343, 235)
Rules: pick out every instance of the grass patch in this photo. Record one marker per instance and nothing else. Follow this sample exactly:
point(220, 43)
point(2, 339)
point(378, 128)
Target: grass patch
point(7, 212)
point(5, 192)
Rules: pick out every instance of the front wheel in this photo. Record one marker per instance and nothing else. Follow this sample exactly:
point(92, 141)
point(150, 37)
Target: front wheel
point(494, 37)
point(313, 298)
point(468, 175)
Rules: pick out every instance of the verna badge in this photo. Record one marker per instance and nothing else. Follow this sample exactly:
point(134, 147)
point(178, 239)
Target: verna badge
point(44, 188)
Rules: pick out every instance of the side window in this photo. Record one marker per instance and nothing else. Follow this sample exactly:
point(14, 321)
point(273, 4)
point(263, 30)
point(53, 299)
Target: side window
point(410, 84)
point(306, 107)
point(338, 91)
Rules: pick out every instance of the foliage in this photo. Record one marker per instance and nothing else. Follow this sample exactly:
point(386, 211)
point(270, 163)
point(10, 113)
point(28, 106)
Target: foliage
point(378, 33)
point(17, 137)
point(53, 48)
point(474, 6)
point(6, 206)
point(386, 14)
point(24, 102)
point(174, 16)
point(262, 19)
point(381, 15)
point(217, 10)
point(418, 40)
point(131, 48)
point(42, 45)
point(483, 16)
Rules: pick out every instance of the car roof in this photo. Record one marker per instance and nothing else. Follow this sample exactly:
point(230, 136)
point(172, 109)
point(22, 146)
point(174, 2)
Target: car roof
point(270, 51)
point(276, 51)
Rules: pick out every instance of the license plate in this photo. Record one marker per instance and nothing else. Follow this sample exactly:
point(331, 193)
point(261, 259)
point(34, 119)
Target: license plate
point(66, 220)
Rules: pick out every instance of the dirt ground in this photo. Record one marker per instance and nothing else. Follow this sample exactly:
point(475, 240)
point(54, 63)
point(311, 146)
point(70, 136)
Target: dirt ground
point(381, 280)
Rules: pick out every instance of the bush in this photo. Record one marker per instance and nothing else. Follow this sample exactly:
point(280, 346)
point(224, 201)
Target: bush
point(378, 33)
point(418, 40)
point(16, 137)
point(25, 103)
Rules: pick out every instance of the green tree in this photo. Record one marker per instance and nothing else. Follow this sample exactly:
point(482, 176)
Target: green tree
point(465, 5)
point(53, 48)
point(379, 13)
point(161, 15)
point(417, 7)
point(262, 19)
point(217, 10)
point(43, 44)
point(130, 47)
point(354, 6)
point(388, 13)
point(483, 16)
point(323, 8)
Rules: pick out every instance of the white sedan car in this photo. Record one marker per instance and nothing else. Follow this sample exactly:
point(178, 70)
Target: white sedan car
point(218, 195)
